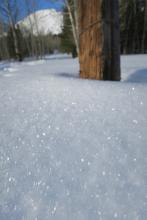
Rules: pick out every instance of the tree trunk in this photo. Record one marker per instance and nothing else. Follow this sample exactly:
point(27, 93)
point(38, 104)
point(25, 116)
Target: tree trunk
point(73, 24)
point(32, 49)
point(76, 15)
point(145, 28)
point(17, 53)
point(99, 39)
point(4, 54)
point(12, 26)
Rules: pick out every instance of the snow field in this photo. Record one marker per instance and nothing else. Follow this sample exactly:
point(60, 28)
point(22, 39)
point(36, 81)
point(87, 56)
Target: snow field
point(70, 148)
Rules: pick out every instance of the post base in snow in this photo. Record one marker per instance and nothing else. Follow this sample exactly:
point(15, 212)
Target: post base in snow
point(99, 39)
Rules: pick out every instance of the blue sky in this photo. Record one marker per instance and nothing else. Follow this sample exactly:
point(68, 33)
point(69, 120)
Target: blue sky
point(49, 4)
point(41, 4)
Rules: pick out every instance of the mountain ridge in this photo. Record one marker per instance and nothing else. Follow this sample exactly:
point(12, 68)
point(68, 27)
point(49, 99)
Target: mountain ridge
point(45, 21)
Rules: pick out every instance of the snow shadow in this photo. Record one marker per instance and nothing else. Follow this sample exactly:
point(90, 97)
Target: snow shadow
point(58, 57)
point(139, 76)
point(4, 66)
point(67, 75)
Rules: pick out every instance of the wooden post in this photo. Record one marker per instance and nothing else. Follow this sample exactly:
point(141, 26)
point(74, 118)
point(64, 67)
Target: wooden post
point(99, 39)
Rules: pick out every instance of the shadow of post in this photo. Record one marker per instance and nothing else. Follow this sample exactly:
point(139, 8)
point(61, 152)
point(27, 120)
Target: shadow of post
point(67, 75)
point(139, 76)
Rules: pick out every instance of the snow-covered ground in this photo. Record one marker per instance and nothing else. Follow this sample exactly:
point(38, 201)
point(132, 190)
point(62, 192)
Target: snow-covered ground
point(70, 148)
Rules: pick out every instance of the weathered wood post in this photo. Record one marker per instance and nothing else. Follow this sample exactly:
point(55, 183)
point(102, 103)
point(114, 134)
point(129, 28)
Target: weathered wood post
point(99, 39)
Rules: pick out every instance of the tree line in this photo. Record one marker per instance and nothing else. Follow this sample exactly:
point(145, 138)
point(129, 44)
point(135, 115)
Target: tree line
point(133, 26)
point(17, 44)
point(133, 29)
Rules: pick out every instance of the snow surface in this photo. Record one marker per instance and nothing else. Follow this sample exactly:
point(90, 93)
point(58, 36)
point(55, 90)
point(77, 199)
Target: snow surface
point(70, 148)
point(47, 21)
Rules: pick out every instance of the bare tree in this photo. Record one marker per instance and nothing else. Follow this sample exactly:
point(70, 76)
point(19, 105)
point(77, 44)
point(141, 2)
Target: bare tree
point(3, 42)
point(37, 44)
point(73, 15)
point(10, 12)
point(72, 7)
point(32, 47)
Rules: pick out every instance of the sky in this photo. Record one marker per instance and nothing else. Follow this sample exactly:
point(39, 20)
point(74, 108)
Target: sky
point(39, 5)
point(43, 4)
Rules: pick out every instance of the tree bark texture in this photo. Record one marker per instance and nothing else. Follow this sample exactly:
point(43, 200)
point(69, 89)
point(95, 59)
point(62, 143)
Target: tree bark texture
point(99, 39)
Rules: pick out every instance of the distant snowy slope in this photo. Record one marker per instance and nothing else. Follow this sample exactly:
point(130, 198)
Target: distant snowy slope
point(43, 21)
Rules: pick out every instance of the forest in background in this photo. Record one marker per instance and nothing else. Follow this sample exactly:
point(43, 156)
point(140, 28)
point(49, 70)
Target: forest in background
point(18, 44)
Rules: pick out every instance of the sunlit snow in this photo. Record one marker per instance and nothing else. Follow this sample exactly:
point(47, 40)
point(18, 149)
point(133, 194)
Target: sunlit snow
point(71, 148)
point(47, 21)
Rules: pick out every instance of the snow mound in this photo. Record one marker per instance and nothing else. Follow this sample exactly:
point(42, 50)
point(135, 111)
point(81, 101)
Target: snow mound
point(11, 70)
point(47, 21)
